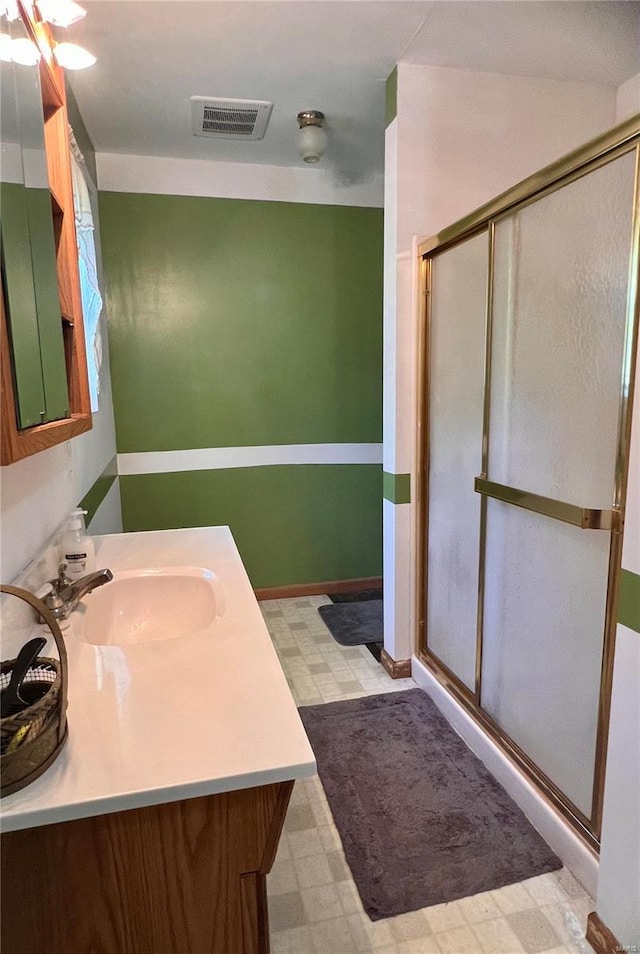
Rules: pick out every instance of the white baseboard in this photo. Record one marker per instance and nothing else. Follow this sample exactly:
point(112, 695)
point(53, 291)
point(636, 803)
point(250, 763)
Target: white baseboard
point(581, 861)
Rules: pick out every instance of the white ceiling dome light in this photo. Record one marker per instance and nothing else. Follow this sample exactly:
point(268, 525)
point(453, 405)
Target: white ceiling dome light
point(312, 138)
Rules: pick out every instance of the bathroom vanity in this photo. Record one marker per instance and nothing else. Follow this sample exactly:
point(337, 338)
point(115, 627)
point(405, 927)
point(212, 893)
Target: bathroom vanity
point(155, 828)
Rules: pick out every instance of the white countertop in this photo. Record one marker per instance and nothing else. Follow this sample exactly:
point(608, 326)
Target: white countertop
point(175, 719)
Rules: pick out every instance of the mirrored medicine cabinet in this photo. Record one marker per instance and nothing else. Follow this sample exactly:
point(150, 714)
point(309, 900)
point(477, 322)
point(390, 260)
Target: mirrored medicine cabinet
point(45, 398)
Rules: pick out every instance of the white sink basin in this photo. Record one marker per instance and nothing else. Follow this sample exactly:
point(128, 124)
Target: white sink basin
point(149, 605)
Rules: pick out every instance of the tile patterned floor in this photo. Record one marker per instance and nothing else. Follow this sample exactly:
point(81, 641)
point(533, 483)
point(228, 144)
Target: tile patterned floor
point(314, 906)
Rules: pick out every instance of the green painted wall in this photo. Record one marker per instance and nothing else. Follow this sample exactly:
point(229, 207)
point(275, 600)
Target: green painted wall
point(22, 315)
point(396, 488)
point(99, 490)
point(302, 524)
point(242, 323)
point(629, 607)
point(33, 306)
point(239, 323)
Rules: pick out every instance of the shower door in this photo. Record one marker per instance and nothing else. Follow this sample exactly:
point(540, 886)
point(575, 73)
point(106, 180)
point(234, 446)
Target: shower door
point(539, 303)
point(456, 386)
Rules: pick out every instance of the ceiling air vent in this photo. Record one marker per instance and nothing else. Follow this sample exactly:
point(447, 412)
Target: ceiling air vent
point(229, 118)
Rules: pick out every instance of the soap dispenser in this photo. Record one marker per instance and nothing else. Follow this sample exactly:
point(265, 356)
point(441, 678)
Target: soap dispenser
point(77, 549)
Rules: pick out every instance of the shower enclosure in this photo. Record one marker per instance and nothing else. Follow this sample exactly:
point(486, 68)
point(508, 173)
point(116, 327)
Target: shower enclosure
point(527, 364)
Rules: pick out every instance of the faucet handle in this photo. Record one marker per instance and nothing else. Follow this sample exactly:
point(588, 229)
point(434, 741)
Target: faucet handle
point(53, 599)
point(61, 580)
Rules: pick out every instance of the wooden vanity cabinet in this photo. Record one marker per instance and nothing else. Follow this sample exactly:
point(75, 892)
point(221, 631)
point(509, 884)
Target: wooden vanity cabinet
point(66, 363)
point(185, 877)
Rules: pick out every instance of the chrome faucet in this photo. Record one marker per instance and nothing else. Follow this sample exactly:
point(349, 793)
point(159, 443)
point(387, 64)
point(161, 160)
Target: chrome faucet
point(66, 594)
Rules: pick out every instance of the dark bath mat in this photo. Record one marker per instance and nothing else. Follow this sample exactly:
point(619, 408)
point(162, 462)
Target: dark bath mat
point(357, 596)
point(353, 624)
point(422, 820)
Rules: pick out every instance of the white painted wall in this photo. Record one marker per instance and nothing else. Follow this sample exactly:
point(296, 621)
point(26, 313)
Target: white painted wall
point(396, 576)
point(37, 493)
point(618, 897)
point(628, 99)
point(157, 175)
point(396, 561)
point(390, 291)
point(465, 137)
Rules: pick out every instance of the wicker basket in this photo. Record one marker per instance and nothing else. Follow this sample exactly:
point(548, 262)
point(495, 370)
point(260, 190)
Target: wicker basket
point(31, 739)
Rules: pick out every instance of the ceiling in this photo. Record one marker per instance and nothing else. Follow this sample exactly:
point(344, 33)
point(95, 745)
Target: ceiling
point(312, 54)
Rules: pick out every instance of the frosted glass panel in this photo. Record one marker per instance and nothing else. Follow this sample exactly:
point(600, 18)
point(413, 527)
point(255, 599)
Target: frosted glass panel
point(544, 613)
point(457, 335)
point(560, 293)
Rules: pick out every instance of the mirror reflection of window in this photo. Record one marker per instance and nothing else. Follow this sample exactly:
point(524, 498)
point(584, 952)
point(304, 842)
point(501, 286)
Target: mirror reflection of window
point(87, 260)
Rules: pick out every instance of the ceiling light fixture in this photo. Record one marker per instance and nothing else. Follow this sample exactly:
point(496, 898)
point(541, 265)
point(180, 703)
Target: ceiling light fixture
point(61, 13)
point(70, 56)
point(312, 138)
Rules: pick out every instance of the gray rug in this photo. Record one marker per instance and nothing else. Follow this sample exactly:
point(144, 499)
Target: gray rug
point(355, 596)
point(353, 624)
point(421, 819)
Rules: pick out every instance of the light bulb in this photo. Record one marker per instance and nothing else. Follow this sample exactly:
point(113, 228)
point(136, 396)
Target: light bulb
point(312, 142)
point(24, 51)
point(61, 12)
point(73, 57)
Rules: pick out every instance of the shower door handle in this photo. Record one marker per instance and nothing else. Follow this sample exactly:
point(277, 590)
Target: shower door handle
point(586, 518)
